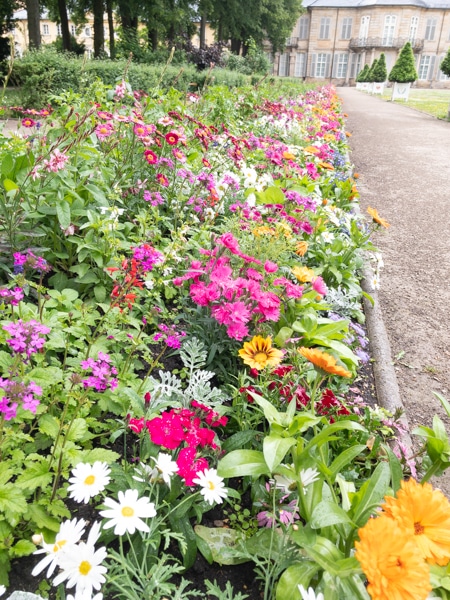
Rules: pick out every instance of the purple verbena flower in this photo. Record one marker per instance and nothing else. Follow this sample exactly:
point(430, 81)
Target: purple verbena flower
point(101, 378)
point(17, 393)
point(26, 336)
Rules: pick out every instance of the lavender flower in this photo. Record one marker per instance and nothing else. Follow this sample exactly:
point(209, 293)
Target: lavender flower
point(27, 260)
point(26, 336)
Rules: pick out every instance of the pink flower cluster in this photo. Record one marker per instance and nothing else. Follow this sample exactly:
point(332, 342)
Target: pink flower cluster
point(11, 296)
point(26, 336)
point(235, 300)
point(181, 429)
point(18, 393)
point(169, 335)
point(148, 257)
point(102, 372)
point(56, 162)
point(24, 261)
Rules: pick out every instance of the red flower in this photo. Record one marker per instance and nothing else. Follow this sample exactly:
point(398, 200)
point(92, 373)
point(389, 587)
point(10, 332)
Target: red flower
point(151, 157)
point(166, 430)
point(188, 467)
point(136, 425)
point(172, 138)
point(162, 179)
point(27, 122)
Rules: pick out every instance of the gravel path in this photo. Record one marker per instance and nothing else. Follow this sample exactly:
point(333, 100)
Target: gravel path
point(403, 158)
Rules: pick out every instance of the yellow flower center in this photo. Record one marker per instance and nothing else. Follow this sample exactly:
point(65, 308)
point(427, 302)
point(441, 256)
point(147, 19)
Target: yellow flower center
point(418, 529)
point(127, 511)
point(85, 567)
point(260, 357)
point(58, 545)
point(89, 480)
point(211, 485)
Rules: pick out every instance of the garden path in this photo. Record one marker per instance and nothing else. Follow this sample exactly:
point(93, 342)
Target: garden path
point(403, 158)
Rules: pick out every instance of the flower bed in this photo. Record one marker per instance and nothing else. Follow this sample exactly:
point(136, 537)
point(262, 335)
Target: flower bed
point(181, 327)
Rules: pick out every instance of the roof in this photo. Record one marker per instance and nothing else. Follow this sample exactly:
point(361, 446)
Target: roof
point(443, 4)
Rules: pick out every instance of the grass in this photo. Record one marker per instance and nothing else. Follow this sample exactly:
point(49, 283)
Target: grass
point(432, 102)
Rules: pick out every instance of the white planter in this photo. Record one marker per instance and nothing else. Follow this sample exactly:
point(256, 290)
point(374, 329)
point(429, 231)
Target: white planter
point(400, 91)
point(359, 85)
point(378, 88)
point(365, 86)
point(370, 88)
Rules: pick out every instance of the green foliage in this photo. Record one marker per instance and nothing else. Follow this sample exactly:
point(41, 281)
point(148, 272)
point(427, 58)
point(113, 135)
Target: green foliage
point(379, 71)
point(363, 74)
point(254, 62)
point(445, 64)
point(404, 70)
point(373, 67)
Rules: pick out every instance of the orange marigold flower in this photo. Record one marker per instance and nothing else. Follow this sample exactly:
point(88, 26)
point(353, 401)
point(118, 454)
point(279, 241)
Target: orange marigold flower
point(301, 248)
point(425, 514)
point(325, 165)
point(376, 217)
point(259, 353)
point(303, 274)
point(311, 150)
point(391, 562)
point(324, 361)
point(288, 155)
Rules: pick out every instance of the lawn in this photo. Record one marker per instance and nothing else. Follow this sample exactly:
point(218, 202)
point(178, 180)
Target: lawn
point(433, 102)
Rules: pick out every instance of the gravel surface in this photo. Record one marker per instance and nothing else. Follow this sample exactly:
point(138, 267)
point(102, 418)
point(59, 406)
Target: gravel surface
point(403, 159)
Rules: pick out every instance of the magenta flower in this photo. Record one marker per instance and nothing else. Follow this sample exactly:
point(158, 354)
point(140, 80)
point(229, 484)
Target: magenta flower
point(162, 179)
point(151, 157)
point(166, 430)
point(102, 373)
point(56, 162)
point(13, 296)
point(104, 130)
point(270, 267)
point(26, 336)
point(17, 393)
point(147, 256)
point(28, 260)
point(319, 286)
point(229, 241)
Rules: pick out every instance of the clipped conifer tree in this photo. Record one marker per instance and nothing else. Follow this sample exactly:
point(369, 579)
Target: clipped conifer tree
point(362, 75)
point(404, 70)
point(373, 67)
point(379, 72)
point(445, 64)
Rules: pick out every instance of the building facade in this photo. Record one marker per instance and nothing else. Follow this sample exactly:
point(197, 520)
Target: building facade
point(334, 39)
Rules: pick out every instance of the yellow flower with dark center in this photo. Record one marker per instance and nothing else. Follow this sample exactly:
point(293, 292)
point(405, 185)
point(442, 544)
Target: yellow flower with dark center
point(259, 353)
point(376, 217)
point(323, 360)
point(301, 248)
point(303, 274)
point(425, 514)
point(391, 562)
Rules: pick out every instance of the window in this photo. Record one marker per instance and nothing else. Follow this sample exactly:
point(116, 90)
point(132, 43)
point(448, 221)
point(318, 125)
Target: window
point(389, 29)
point(430, 31)
point(45, 29)
point(413, 29)
point(303, 27)
point(364, 28)
point(324, 33)
point(346, 32)
point(300, 64)
point(58, 30)
point(340, 66)
point(283, 67)
point(73, 30)
point(322, 65)
point(87, 32)
point(355, 67)
point(426, 67)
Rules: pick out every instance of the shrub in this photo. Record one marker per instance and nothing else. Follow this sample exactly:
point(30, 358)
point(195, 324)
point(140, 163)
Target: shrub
point(445, 64)
point(371, 71)
point(404, 70)
point(363, 74)
point(379, 73)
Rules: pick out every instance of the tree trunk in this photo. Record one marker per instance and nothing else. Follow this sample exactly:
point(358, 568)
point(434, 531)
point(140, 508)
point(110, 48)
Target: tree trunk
point(112, 42)
point(153, 37)
point(202, 32)
point(99, 32)
point(235, 46)
point(65, 33)
point(34, 23)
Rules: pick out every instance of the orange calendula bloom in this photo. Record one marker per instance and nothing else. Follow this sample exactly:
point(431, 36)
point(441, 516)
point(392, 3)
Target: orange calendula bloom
point(301, 248)
point(425, 514)
point(376, 217)
point(259, 353)
point(288, 155)
point(391, 562)
point(311, 150)
point(303, 274)
point(324, 361)
point(325, 165)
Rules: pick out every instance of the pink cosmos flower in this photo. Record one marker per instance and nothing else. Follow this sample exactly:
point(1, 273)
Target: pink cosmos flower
point(104, 130)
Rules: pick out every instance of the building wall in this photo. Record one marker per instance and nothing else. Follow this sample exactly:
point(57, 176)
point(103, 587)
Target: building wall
point(338, 58)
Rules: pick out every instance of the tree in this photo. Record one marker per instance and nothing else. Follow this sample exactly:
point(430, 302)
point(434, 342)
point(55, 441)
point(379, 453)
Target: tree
point(34, 23)
point(371, 71)
point(404, 70)
point(363, 74)
point(379, 72)
point(445, 64)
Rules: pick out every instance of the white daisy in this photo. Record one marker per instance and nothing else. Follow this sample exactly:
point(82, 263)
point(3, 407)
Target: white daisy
point(68, 535)
point(145, 473)
point(126, 514)
point(308, 476)
point(212, 486)
point(309, 594)
point(2, 590)
point(88, 481)
point(84, 596)
point(82, 566)
point(165, 466)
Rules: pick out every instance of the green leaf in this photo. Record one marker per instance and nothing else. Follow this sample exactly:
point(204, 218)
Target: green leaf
point(283, 335)
point(395, 467)
point(7, 165)
point(344, 458)
point(41, 518)
point(189, 550)
point(78, 430)
point(63, 214)
point(10, 185)
point(45, 376)
point(12, 502)
point(292, 577)
point(369, 497)
point(6, 360)
point(49, 425)
point(237, 440)
point(242, 462)
point(328, 513)
point(275, 449)
point(36, 475)
point(22, 548)
point(222, 543)
point(100, 454)
point(272, 195)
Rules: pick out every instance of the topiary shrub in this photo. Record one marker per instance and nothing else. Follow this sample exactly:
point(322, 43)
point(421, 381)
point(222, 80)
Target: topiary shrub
point(445, 64)
point(371, 71)
point(404, 70)
point(379, 72)
point(363, 74)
